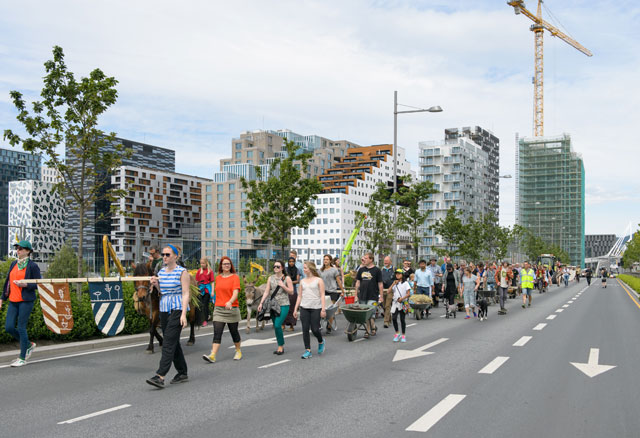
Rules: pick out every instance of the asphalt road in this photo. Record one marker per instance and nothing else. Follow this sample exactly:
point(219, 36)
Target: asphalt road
point(357, 389)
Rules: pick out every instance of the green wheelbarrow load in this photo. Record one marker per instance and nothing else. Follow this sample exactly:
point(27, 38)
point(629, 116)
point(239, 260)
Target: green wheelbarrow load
point(357, 316)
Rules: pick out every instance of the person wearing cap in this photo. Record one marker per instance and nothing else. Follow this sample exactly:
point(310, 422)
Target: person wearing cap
point(401, 290)
point(21, 298)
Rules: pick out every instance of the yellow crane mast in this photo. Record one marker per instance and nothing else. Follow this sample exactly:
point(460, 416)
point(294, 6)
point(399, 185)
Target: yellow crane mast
point(538, 27)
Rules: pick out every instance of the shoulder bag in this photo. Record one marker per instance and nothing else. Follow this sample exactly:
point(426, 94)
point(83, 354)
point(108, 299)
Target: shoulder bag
point(270, 307)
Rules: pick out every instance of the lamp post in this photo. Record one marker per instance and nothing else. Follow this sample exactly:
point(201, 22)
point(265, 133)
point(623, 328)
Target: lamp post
point(433, 109)
point(539, 225)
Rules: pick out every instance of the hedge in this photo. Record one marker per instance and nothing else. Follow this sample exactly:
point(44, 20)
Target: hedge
point(634, 282)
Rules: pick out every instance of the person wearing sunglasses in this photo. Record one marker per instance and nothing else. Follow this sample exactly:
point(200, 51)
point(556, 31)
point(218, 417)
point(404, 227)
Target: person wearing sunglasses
point(174, 283)
point(21, 298)
point(280, 284)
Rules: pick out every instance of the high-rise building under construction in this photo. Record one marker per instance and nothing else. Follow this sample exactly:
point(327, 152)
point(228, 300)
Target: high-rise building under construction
point(550, 186)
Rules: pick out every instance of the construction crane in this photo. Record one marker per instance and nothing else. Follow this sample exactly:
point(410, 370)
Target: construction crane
point(538, 27)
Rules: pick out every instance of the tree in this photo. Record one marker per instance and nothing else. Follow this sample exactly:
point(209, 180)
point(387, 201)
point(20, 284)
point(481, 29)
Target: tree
point(452, 231)
point(632, 253)
point(282, 201)
point(379, 229)
point(68, 115)
point(64, 263)
point(410, 217)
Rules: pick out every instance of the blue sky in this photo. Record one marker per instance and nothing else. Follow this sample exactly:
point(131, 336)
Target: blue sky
point(193, 75)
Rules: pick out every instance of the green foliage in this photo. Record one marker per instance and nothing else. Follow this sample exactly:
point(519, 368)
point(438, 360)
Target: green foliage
point(632, 253)
point(534, 245)
point(379, 229)
point(452, 231)
point(282, 201)
point(633, 282)
point(410, 217)
point(68, 115)
point(4, 268)
point(64, 264)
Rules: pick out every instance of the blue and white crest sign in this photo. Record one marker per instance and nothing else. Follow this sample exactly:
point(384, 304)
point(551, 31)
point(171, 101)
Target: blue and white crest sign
point(107, 306)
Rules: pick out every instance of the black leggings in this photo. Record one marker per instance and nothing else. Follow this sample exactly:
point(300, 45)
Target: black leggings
point(218, 328)
point(402, 321)
point(310, 318)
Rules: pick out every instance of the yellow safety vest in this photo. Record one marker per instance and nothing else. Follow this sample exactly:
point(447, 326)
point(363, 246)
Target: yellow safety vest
point(527, 278)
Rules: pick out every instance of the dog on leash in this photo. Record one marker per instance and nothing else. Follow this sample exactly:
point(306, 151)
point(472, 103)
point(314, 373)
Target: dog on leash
point(450, 308)
point(483, 309)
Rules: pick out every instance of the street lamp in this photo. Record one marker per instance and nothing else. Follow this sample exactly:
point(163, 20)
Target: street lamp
point(539, 225)
point(433, 109)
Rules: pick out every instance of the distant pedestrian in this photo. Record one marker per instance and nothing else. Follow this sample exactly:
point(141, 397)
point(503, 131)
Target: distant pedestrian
point(588, 273)
point(293, 253)
point(605, 274)
point(437, 280)
point(450, 284)
point(311, 304)
point(226, 310)
point(527, 278)
point(400, 291)
point(204, 278)
point(503, 278)
point(424, 281)
point(21, 298)
point(280, 286)
point(294, 275)
point(407, 270)
point(468, 289)
point(173, 282)
point(387, 295)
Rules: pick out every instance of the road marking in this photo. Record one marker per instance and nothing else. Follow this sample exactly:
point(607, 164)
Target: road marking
point(591, 368)
point(252, 342)
point(492, 366)
point(417, 352)
point(628, 293)
point(570, 302)
point(411, 325)
point(551, 316)
point(559, 310)
point(565, 306)
point(359, 340)
point(95, 414)
point(443, 316)
point(540, 326)
point(522, 341)
point(274, 364)
point(435, 414)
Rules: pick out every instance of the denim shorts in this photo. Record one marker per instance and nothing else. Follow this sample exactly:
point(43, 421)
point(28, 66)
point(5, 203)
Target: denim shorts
point(526, 291)
point(424, 290)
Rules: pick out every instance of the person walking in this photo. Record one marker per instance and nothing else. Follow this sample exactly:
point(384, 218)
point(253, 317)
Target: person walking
point(369, 287)
point(468, 289)
point(436, 273)
point(503, 278)
point(565, 276)
point(450, 284)
point(387, 295)
point(424, 281)
point(173, 282)
point(204, 278)
point(605, 274)
point(588, 274)
point(400, 291)
point(279, 287)
point(226, 310)
point(491, 277)
point(311, 304)
point(331, 277)
point(21, 297)
point(294, 275)
point(527, 277)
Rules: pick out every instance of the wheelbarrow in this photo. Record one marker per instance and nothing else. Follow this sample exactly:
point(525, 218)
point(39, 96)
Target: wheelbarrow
point(357, 316)
point(330, 313)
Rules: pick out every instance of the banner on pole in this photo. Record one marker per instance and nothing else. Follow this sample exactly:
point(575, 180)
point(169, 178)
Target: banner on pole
point(55, 302)
point(107, 306)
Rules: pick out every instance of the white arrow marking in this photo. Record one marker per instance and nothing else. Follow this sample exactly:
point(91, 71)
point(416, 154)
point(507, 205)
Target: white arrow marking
point(591, 368)
point(420, 351)
point(252, 342)
point(434, 414)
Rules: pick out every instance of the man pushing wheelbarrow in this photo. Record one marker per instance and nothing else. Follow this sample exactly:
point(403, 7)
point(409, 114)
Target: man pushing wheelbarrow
point(369, 288)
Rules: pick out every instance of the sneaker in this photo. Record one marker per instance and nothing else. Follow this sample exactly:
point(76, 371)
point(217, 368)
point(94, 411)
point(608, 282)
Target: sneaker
point(211, 358)
point(396, 338)
point(204, 324)
point(179, 378)
point(529, 305)
point(30, 351)
point(238, 355)
point(328, 329)
point(18, 362)
point(156, 381)
point(467, 317)
point(403, 339)
point(306, 355)
point(321, 347)
point(523, 306)
point(475, 315)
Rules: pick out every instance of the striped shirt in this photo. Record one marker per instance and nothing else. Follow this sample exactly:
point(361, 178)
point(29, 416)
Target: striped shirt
point(170, 289)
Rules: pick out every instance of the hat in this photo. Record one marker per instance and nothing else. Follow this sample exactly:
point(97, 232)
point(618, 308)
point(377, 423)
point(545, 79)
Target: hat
point(399, 271)
point(24, 244)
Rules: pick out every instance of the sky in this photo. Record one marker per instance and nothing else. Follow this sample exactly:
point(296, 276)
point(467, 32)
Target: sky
point(194, 75)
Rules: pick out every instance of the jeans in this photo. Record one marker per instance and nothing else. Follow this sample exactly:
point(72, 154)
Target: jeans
point(171, 349)
point(278, 322)
point(310, 318)
point(424, 290)
point(503, 295)
point(19, 312)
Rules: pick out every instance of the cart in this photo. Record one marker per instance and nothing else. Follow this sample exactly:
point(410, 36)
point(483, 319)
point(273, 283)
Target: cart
point(357, 316)
point(330, 313)
point(419, 308)
point(490, 295)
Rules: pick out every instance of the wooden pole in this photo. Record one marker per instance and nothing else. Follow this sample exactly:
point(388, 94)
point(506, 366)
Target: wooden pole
point(84, 280)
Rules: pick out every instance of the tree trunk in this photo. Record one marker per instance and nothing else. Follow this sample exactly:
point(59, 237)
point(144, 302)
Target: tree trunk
point(80, 250)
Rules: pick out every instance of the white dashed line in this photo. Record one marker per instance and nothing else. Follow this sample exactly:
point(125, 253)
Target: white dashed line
point(565, 306)
point(551, 316)
point(559, 310)
point(95, 414)
point(269, 365)
point(435, 414)
point(359, 340)
point(493, 365)
point(522, 341)
point(411, 325)
point(570, 302)
point(540, 326)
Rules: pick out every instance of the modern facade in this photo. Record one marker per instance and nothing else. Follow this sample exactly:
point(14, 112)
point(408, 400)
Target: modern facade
point(224, 231)
point(36, 213)
point(98, 218)
point(160, 207)
point(347, 188)
point(597, 245)
point(550, 185)
point(14, 166)
point(464, 169)
point(50, 175)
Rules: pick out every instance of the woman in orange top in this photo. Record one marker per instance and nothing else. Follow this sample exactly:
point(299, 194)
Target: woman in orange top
point(226, 310)
point(21, 297)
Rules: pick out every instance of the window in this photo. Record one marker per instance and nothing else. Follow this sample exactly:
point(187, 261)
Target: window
point(243, 205)
point(219, 197)
point(249, 154)
point(232, 224)
point(232, 215)
point(208, 225)
point(243, 233)
point(208, 197)
point(238, 155)
point(232, 196)
point(209, 188)
point(219, 215)
point(232, 233)
point(208, 216)
point(220, 187)
point(243, 224)
point(232, 187)
point(207, 234)
point(219, 224)
point(232, 205)
point(238, 146)
point(219, 206)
